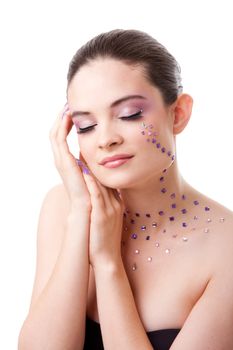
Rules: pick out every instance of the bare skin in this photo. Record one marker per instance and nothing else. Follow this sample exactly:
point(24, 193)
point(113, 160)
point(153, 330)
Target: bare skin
point(172, 284)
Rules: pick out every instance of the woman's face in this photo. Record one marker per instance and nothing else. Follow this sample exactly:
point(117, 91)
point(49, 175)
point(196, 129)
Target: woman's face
point(94, 91)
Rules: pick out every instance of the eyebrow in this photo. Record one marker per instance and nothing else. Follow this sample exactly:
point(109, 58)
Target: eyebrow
point(113, 104)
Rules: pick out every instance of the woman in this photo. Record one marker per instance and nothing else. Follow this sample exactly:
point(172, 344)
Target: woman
point(129, 254)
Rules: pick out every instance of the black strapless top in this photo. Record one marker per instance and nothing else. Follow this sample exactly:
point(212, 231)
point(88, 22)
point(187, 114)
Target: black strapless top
point(161, 339)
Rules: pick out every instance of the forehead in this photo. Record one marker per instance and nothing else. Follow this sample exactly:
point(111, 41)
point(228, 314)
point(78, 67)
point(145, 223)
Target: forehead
point(105, 79)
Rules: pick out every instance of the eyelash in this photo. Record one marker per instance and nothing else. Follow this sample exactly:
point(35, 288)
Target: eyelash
point(129, 117)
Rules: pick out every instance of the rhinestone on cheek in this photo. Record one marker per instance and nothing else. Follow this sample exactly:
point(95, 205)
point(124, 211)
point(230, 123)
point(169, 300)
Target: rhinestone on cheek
point(173, 205)
point(206, 230)
point(143, 227)
point(147, 238)
point(167, 251)
point(207, 208)
point(184, 224)
point(134, 236)
point(184, 211)
point(157, 244)
point(173, 195)
point(154, 224)
point(171, 218)
point(222, 219)
point(137, 251)
point(163, 190)
point(161, 212)
point(134, 267)
point(185, 239)
point(149, 258)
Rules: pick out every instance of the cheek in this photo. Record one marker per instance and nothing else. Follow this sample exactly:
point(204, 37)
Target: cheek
point(157, 142)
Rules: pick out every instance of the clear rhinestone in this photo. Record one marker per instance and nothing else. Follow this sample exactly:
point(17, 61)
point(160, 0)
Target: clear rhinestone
point(167, 251)
point(185, 239)
point(134, 267)
point(209, 220)
point(137, 251)
point(154, 224)
point(157, 244)
point(206, 230)
point(149, 258)
point(222, 219)
point(174, 236)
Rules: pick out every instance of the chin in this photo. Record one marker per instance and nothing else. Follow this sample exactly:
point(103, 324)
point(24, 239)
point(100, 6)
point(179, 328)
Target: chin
point(122, 181)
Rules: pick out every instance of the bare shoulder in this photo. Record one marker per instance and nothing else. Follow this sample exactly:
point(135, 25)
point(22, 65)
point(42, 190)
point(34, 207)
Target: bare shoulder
point(50, 233)
point(220, 235)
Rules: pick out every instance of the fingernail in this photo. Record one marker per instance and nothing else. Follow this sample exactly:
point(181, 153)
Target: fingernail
point(84, 168)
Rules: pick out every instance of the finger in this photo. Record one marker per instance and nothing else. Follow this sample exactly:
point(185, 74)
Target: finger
point(66, 158)
point(53, 135)
point(97, 198)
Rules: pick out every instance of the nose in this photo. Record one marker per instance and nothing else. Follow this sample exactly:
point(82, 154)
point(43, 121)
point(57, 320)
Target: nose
point(109, 137)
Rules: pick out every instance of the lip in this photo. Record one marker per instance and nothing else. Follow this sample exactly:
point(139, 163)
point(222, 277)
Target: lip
point(114, 158)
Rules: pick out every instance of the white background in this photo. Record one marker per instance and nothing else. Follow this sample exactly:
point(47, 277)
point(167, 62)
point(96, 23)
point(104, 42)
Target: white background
point(38, 40)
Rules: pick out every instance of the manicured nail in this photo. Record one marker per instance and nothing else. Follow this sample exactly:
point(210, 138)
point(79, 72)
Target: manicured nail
point(84, 168)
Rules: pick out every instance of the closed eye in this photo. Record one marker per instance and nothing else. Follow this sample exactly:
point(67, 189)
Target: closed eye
point(129, 117)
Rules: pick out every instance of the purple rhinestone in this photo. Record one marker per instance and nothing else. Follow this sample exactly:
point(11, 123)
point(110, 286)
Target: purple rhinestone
point(173, 195)
point(164, 231)
point(143, 227)
point(195, 202)
point(207, 208)
point(169, 153)
point(147, 238)
point(163, 190)
point(184, 224)
point(173, 157)
point(148, 215)
point(173, 205)
point(132, 221)
point(134, 235)
point(158, 145)
point(164, 170)
point(161, 212)
point(148, 140)
point(124, 214)
point(137, 214)
point(163, 149)
point(184, 211)
point(183, 196)
point(161, 178)
point(171, 218)
point(153, 140)
point(143, 132)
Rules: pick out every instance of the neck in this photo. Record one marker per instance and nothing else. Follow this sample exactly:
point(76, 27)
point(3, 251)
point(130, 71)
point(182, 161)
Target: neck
point(160, 200)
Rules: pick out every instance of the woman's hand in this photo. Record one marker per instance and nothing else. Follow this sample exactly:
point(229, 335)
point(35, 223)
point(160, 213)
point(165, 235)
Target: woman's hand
point(105, 224)
point(66, 163)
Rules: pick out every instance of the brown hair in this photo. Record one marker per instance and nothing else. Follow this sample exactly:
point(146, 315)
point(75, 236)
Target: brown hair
point(133, 47)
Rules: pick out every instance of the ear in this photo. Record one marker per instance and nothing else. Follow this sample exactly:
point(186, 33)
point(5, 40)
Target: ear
point(182, 109)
